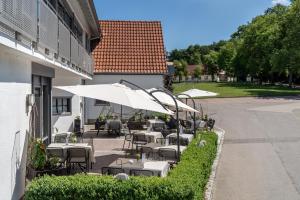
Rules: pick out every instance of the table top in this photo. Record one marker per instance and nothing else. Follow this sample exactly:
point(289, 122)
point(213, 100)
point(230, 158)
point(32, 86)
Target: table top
point(156, 166)
point(70, 145)
point(188, 136)
point(182, 148)
point(152, 133)
point(156, 146)
point(156, 121)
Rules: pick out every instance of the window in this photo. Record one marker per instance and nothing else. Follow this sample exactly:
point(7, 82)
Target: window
point(61, 105)
point(101, 103)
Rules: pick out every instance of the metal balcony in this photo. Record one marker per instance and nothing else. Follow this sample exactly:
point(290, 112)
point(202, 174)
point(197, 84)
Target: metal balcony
point(40, 28)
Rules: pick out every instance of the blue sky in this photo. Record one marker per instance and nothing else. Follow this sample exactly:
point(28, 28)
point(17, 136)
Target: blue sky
point(187, 22)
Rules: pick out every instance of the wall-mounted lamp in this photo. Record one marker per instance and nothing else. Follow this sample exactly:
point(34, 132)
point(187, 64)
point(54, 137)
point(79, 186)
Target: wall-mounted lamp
point(30, 100)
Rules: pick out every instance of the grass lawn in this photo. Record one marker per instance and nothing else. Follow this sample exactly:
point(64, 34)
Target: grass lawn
point(237, 89)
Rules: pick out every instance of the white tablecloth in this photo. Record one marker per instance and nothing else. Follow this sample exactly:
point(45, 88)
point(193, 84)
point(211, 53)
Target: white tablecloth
point(185, 136)
point(155, 122)
point(74, 145)
point(158, 167)
point(182, 148)
point(151, 136)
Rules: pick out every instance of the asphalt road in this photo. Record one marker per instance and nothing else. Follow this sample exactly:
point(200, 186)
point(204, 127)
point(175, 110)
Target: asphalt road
point(261, 152)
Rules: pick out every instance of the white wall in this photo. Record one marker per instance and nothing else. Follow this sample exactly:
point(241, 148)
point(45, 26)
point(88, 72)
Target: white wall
point(145, 81)
point(15, 83)
point(65, 122)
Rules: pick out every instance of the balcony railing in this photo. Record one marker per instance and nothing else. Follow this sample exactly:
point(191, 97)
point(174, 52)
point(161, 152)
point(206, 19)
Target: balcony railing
point(45, 31)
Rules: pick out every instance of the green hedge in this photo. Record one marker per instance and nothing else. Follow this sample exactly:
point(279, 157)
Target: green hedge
point(186, 181)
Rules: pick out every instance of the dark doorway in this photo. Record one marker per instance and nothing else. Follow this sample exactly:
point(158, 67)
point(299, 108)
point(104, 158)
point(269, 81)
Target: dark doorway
point(41, 87)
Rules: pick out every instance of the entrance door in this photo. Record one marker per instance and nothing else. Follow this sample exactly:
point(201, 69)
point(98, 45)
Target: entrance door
point(41, 88)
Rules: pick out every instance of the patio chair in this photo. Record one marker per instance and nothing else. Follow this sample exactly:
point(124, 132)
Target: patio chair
point(91, 143)
point(210, 124)
point(158, 127)
point(115, 126)
point(60, 138)
point(139, 140)
point(78, 156)
point(58, 153)
point(165, 132)
point(148, 151)
point(79, 134)
point(141, 172)
point(111, 170)
point(172, 140)
point(169, 155)
point(161, 141)
point(128, 138)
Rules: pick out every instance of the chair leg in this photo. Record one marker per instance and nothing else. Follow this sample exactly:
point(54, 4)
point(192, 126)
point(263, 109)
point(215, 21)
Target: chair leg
point(123, 144)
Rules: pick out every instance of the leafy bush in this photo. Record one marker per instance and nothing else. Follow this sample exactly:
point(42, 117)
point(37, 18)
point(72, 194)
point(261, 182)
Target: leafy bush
point(186, 181)
point(195, 165)
point(38, 158)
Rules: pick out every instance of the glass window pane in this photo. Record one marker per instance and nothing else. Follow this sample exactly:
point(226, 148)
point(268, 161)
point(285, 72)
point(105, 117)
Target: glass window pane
point(59, 102)
point(65, 101)
point(65, 108)
point(54, 102)
point(69, 105)
point(59, 109)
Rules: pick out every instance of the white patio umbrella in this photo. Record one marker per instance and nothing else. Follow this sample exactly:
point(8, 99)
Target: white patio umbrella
point(194, 93)
point(118, 94)
point(167, 100)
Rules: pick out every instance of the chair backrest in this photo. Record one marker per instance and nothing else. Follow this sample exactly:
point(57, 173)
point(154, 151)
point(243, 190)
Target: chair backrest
point(146, 150)
point(165, 132)
point(139, 137)
point(158, 127)
point(183, 141)
point(77, 153)
point(167, 153)
point(141, 172)
point(161, 141)
point(111, 170)
point(172, 140)
point(60, 138)
point(56, 152)
point(211, 123)
point(115, 125)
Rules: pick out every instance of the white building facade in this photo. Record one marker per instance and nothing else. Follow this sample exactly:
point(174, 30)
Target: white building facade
point(43, 43)
point(147, 81)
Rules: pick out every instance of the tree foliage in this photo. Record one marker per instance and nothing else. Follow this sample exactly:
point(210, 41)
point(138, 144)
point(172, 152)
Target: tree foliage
point(267, 48)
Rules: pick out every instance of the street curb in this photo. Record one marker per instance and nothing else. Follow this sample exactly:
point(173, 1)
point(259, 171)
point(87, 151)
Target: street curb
point(208, 195)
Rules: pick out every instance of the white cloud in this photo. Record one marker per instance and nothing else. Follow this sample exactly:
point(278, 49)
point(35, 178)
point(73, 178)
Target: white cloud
point(282, 2)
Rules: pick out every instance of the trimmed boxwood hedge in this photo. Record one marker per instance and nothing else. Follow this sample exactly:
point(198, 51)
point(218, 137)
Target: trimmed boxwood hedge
point(187, 181)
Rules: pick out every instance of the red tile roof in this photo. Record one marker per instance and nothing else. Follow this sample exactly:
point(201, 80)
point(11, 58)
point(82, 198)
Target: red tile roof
point(133, 47)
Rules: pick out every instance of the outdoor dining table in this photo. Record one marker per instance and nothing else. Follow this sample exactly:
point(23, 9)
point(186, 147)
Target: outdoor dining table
point(155, 147)
point(153, 123)
point(159, 168)
point(189, 137)
point(151, 136)
point(65, 147)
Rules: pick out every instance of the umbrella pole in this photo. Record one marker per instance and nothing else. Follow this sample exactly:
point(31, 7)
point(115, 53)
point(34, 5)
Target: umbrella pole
point(177, 119)
point(121, 112)
point(186, 111)
point(194, 106)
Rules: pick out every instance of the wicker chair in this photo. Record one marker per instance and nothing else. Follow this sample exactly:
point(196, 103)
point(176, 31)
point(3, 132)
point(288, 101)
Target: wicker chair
point(111, 170)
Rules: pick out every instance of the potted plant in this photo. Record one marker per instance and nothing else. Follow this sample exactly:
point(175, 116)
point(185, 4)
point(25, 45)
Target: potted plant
point(39, 164)
point(77, 124)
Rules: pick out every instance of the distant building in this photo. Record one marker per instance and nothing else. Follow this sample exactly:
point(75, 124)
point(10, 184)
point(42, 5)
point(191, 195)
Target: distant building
point(130, 50)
